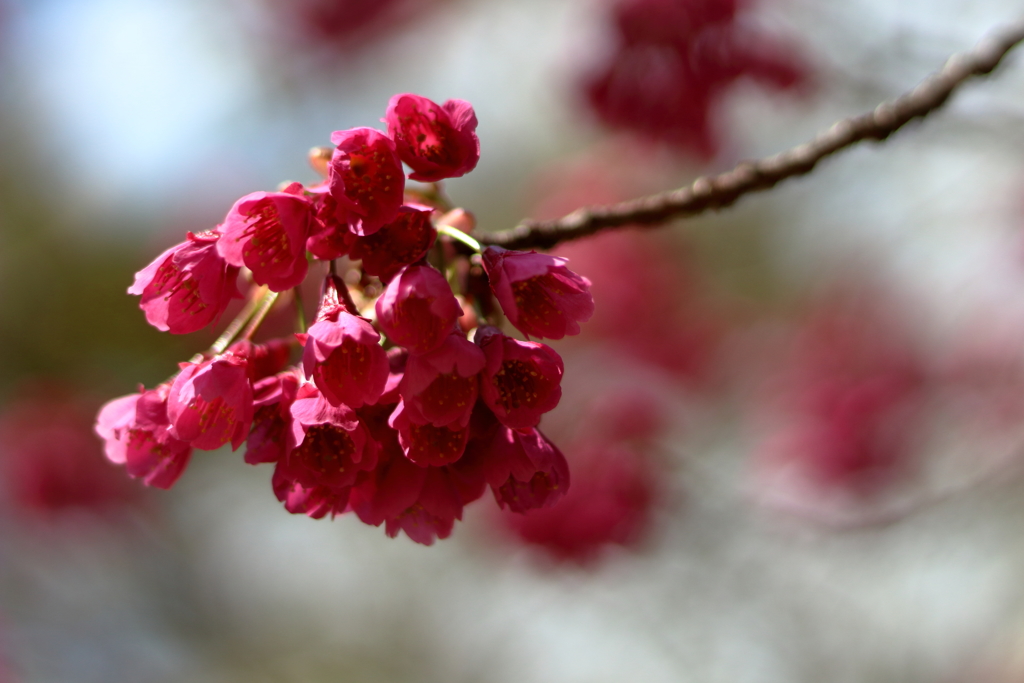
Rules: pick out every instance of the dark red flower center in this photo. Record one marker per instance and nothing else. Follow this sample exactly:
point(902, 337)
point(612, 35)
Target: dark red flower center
point(326, 450)
point(401, 242)
point(436, 446)
point(427, 136)
point(368, 172)
point(535, 299)
point(519, 385)
point(268, 425)
point(418, 327)
point(347, 364)
point(448, 392)
point(522, 496)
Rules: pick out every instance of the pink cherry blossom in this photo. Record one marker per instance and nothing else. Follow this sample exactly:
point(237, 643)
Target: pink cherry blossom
point(399, 243)
point(422, 501)
point(327, 445)
point(440, 387)
point(136, 433)
point(344, 358)
point(427, 444)
point(418, 309)
point(271, 422)
point(264, 360)
point(366, 178)
point(613, 491)
point(539, 295)
point(210, 403)
point(437, 142)
point(521, 381)
point(266, 232)
point(316, 501)
point(188, 286)
point(330, 237)
point(525, 470)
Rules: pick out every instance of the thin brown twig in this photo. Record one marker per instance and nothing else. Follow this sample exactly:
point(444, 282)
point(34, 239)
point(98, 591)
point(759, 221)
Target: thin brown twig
point(719, 191)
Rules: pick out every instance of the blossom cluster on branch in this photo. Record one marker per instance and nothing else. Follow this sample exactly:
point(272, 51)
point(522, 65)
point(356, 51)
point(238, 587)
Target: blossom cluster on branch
point(405, 406)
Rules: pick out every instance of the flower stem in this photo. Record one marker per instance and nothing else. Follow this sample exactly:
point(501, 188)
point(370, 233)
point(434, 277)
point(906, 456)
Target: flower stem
point(264, 306)
point(300, 311)
point(457, 234)
point(232, 330)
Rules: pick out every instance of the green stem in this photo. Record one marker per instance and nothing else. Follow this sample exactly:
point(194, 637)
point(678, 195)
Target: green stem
point(264, 306)
point(457, 234)
point(232, 330)
point(300, 311)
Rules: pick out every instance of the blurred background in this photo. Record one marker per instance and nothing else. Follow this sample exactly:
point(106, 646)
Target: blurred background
point(796, 427)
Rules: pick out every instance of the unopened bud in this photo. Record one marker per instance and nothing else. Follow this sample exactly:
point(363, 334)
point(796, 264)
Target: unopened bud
point(320, 159)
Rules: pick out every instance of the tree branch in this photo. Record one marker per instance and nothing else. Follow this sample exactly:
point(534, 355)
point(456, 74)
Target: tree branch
point(719, 191)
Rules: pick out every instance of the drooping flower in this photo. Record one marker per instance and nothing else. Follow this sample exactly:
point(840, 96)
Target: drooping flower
point(136, 433)
point(328, 445)
point(271, 422)
point(539, 295)
point(610, 502)
point(188, 286)
point(422, 501)
point(210, 403)
point(264, 360)
point(267, 232)
point(316, 501)
point(428, 444)
point(405, 497)
point(366, 178)
point(437, 142)
point(521, 381)
point(525, 470)
point(403, 241)
point(418, 309)
point(330, 237)
point(343, 355)
point(441, 387)
point(611, 441)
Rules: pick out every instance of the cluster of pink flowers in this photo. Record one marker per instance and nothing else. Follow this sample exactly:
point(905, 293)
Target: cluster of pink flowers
point(402, 409)
point(673, 61)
